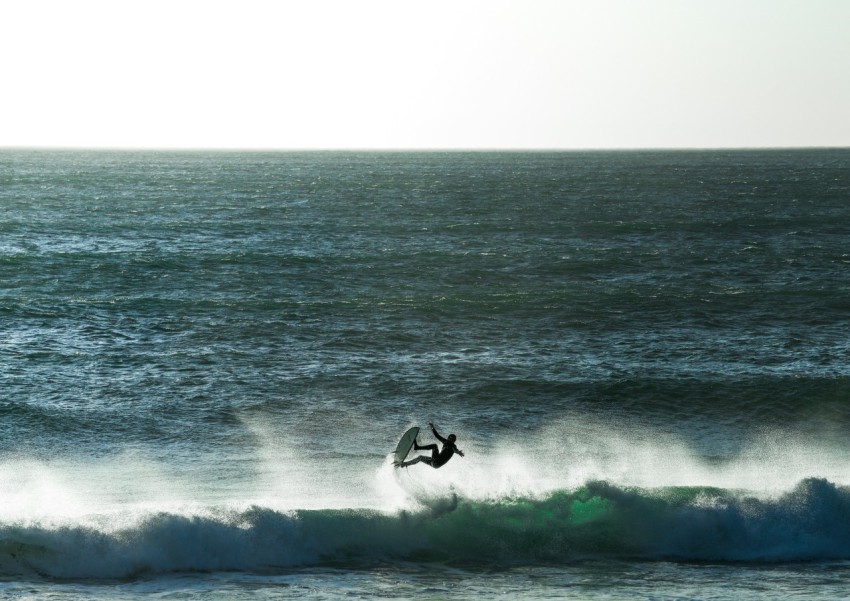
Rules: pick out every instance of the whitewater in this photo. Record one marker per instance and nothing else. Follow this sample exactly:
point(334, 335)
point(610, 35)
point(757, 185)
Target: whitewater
point(207, 357)
point(574, 492)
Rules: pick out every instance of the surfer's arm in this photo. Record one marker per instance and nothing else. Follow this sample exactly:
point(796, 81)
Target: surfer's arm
point(436, 434)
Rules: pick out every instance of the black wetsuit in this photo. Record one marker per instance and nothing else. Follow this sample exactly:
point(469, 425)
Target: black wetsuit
point(439, 457)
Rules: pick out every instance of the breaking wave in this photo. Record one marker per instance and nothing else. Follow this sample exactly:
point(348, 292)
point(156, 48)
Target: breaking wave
point(595, 521)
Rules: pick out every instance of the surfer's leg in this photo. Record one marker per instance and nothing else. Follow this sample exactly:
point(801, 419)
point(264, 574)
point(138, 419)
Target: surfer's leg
point(412, 461)
point(427, 447)
point(435, 451)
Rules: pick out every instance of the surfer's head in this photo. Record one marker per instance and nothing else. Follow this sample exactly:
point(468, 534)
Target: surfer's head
point(452, 438)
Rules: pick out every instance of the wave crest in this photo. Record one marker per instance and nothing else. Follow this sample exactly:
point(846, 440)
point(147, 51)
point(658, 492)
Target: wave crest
point(598, 520)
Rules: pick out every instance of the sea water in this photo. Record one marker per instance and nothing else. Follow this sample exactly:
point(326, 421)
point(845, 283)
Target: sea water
point(206, 359)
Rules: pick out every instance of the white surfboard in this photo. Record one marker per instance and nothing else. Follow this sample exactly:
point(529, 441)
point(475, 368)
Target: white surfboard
point(404, 445)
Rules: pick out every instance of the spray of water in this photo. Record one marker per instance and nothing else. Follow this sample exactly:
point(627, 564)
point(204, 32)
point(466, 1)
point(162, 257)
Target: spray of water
point(576, 486)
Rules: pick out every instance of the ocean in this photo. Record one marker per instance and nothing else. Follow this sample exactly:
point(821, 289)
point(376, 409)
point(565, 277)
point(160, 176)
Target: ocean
point(207, 358)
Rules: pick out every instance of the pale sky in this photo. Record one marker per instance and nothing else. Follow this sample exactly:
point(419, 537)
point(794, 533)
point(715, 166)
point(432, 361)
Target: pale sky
point(405, 74)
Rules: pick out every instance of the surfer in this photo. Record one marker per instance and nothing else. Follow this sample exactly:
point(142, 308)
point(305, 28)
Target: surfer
point(439, 457)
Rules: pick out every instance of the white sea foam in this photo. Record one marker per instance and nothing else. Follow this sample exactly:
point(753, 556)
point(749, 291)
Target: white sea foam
point(129, 514)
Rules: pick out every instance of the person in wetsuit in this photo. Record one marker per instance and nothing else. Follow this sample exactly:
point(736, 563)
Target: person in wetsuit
point(439, 457)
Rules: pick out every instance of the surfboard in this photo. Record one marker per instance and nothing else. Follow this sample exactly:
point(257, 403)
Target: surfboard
point(404, 445)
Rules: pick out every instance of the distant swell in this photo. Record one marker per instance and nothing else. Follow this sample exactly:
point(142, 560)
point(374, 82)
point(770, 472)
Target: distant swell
point(597, 521)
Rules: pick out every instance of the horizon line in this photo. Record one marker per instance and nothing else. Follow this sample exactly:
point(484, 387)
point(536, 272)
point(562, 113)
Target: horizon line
point(518, 149)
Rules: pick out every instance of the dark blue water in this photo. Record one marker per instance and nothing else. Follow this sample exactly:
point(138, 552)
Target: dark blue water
point(206, 358)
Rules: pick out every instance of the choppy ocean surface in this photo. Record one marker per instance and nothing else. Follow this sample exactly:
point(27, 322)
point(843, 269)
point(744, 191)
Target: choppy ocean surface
point(206, 359)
